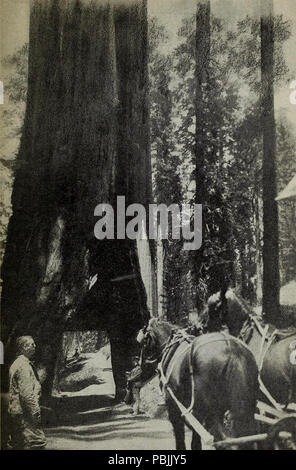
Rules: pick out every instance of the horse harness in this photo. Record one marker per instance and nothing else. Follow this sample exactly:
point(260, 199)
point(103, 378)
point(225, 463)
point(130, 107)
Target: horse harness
point(270, 339)
point(169, 356)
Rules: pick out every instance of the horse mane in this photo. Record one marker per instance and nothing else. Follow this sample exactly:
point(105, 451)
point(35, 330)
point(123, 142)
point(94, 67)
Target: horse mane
point(156, 325)
point(166, 325)
point(245, 306)
point(231, 294)
point(237, 311)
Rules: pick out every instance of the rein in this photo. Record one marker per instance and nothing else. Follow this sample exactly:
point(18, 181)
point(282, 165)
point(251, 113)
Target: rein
point(175, 339)
point(165, 377)
point(265, 337)
point(262, 353)
point(185, 412)
point(205, 436)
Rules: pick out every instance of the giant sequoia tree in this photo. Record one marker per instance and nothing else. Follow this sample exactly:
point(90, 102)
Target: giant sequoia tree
point(271, 277)
point(85, 141)
point(167, 182)
point(203, 46)
point(215, 100)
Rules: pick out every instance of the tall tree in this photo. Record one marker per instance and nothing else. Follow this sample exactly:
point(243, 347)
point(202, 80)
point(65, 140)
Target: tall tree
point(212, 134)
point(244, 60)
point(167, 183)
point(203, 46)
point(271, 278)
point(84, 141)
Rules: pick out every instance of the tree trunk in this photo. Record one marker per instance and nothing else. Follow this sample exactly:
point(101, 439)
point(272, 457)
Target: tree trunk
point(203, 44)
point(271, 281)
point(85, 141)
point(258, 236)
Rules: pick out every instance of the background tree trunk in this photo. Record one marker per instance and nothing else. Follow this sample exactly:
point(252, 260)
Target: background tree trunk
point(271, 280)
point(203, 45)
point(258, 235)
point(85, 141)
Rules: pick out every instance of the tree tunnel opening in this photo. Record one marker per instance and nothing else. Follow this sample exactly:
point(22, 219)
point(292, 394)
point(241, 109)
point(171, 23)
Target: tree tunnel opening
point(83, 366)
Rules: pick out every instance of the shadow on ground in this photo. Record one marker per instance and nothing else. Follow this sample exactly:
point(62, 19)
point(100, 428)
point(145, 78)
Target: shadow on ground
point(96, 422)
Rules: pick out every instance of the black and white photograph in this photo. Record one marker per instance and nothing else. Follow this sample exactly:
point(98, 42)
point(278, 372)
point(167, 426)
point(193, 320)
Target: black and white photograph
point(148, 227)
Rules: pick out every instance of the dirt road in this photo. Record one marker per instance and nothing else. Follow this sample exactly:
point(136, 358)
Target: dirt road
point(111, 428)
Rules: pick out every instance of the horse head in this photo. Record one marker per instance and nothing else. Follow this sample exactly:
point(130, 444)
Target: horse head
point(226, 308)
point(153, 338)
point(213, 314)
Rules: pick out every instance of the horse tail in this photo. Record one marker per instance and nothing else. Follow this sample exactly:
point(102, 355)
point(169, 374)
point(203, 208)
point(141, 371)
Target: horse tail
point(242, 388)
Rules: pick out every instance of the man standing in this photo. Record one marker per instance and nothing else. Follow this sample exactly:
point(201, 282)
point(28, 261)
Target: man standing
point(24, 397)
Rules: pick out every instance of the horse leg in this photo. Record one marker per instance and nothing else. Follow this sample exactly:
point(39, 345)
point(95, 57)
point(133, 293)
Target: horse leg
point(195, 441)
point(178, 425)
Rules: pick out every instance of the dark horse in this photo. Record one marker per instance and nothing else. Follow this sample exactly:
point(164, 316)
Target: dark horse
point(273, 349)
point(214, 375)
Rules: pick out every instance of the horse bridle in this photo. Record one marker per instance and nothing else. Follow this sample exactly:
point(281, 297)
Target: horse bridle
point(146, 331)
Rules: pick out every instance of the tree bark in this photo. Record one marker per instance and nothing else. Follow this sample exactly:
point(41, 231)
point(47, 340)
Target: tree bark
point(85, 141)
point(203, 45)
point(258, 236)
point(271, 280)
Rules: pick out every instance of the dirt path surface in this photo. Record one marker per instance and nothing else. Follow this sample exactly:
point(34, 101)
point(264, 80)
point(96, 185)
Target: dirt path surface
point(110, 428)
